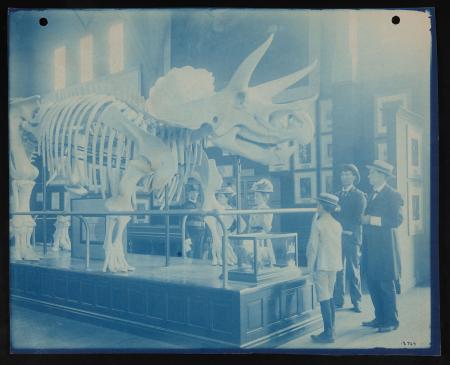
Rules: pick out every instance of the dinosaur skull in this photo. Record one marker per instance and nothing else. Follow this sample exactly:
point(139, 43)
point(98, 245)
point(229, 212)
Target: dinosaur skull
point(244, 119)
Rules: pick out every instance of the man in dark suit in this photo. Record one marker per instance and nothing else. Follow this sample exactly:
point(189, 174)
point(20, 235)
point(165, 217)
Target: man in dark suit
point(381, 260)
point(352, 204)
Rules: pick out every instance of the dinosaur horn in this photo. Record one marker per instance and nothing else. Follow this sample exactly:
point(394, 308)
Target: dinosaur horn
point(271, 88)
point(242, 76)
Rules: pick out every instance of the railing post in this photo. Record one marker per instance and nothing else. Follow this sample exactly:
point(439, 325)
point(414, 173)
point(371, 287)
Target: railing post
point(88, 241)
point(166, 207)
point(33, 235)
point(183, 236)
point(44, 207)
point(238, 192)
point(224, 252)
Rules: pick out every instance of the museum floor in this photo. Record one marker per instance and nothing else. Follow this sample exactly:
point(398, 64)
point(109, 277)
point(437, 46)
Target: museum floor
point(44, 332)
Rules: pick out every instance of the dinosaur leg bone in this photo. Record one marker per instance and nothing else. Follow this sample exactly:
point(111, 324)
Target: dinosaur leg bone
point(61, 236)
point(114, 243)
point(23, 225)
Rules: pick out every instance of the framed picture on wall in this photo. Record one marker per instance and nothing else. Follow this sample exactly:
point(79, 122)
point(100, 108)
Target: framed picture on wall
point(326, 116)
point(305, 187)
point(415, 208)
point(414, 145)
point(39, 197)
point(326, 150)
point(305, 156)
point(142, 203)
point(381, 150)
point(386, 108)
point(326, 181)
point(55, 200)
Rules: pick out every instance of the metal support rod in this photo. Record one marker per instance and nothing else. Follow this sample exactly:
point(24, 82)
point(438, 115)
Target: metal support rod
point(255, 257)
point(33, 237)
point(296, 249)
point(88, 241)
point(238, 192)
point(224, 252)
point(44, 207)
point(166, 207)
point(183, 235)
point(214, 212)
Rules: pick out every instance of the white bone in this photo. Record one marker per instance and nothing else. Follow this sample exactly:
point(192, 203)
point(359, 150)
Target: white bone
point(241, 77)
point(112, 185)
point(103, 180)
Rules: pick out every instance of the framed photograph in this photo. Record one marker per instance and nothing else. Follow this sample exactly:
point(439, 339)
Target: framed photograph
point(415, 150)
point(142, 203)
point(326, 181)
point(326, 150)
point(415, 208)
point(248, 172)
point(305, 187)
point(39, 197)
point(305, 156)
point(326, 116)
point(386, 108)
point(381, 150)
point(55, 200)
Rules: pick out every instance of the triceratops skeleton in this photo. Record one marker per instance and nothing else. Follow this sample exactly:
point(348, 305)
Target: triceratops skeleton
point(100, 143)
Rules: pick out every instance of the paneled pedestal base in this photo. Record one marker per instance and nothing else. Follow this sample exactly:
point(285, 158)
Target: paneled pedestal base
point(185, 299)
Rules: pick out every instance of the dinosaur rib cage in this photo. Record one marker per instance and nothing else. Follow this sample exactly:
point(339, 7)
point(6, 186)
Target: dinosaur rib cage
point(73, 135)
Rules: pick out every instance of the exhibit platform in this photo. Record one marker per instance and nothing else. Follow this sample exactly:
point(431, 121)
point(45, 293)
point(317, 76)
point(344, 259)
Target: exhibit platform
point(186, 298)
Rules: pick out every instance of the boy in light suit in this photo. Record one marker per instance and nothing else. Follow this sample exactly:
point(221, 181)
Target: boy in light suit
point(324, 255)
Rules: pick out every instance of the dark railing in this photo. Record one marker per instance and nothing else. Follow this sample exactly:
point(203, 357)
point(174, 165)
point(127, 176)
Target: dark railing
point(180, 212)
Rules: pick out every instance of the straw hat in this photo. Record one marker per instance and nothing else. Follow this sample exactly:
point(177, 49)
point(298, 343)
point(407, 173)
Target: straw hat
point(263, 186)
point(383, 167)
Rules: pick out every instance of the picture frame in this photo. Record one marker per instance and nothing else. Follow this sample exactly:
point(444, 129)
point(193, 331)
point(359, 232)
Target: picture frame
point(39, 197)
point(142, 203)
point(305, 157)
point(55, 200)
point(384, 105)
point(326, 181)
point(415, 152)
point(326, 150)
point(326, 116)
point(305, 187)
point(381, 150)
point(415, 208)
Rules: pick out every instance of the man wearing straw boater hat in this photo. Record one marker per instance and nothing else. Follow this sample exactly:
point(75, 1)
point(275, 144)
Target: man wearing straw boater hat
point(352, 202)
point(324, 256)
point(381, 259)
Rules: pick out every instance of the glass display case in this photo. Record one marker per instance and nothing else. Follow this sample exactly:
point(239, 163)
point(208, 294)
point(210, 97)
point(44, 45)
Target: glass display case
point(263, 256)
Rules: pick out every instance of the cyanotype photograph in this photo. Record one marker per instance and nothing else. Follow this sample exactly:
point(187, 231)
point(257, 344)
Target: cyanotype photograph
point(223, 181)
